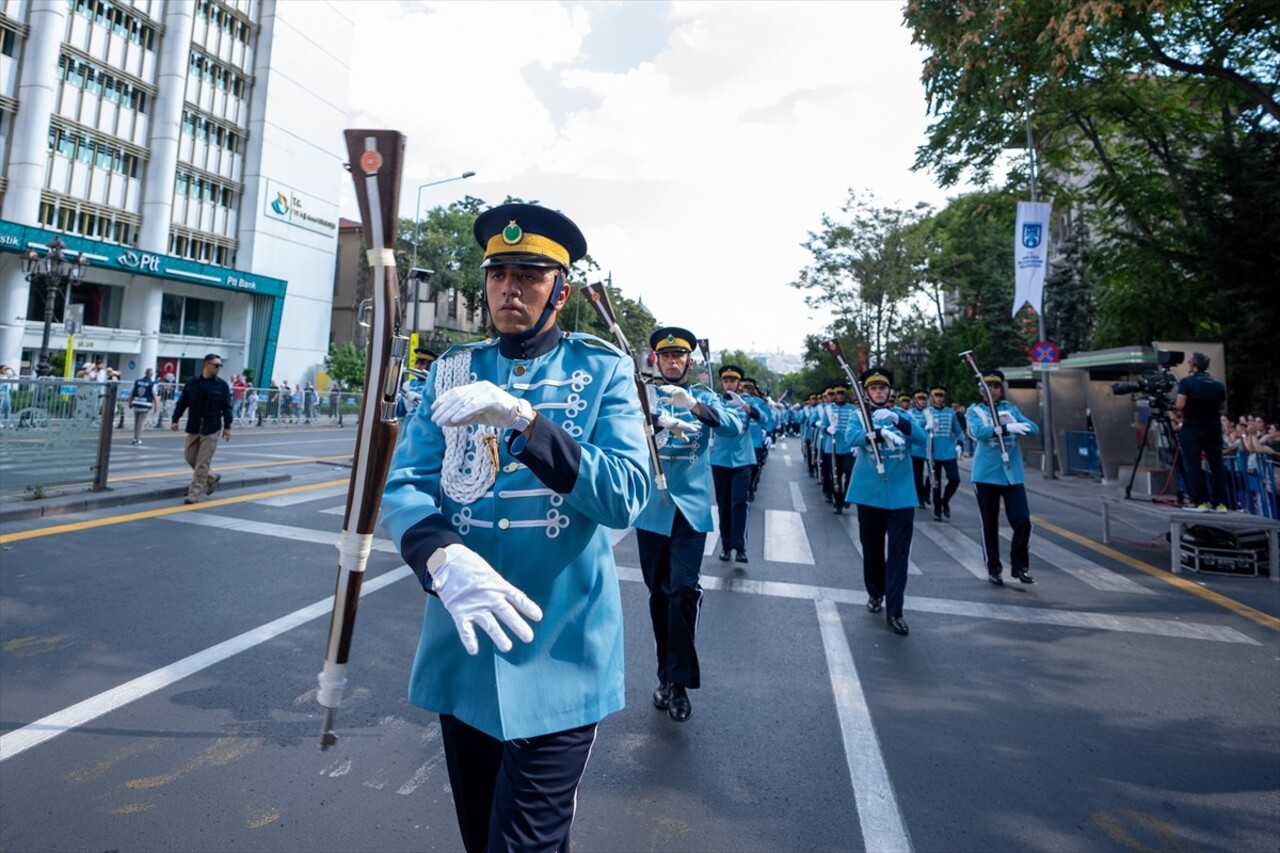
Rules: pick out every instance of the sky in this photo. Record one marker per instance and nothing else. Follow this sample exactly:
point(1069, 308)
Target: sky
point(696, 144)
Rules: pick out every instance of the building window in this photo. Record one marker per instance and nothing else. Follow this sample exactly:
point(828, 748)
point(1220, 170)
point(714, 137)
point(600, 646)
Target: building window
point(102, 304)
point(187, 315)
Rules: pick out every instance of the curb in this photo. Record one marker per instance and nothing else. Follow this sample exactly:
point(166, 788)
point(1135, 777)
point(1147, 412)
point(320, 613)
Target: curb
point(100, 500)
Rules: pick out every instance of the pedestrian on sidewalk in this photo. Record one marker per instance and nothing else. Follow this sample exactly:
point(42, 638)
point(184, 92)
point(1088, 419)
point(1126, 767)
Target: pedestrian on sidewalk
point(141, 400)
point(207, 398)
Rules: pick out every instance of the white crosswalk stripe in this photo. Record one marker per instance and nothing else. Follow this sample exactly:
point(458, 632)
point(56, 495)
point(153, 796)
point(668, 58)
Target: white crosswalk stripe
point(303, 497)
point(1080, 567)
point(966, 552)
point(850, 525)
point(785, 539)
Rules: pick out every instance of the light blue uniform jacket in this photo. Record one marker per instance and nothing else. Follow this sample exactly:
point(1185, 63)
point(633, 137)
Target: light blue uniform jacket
point(988, 467)
point(946, 432)
point(687, 464)
point(895, 489)
point(731, 449)
point(920, 419)
point(548, 540)
point(845, 414)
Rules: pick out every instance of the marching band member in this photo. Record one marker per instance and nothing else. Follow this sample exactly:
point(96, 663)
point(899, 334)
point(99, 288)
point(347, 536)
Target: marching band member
point(920, 454)
point(946, 435)
point(731, 461)
point(886, 503)
point(673, 528)
point(524, 449)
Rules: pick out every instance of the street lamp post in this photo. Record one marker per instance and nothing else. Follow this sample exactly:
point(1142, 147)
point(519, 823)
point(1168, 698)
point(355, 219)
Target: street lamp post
point(913, 356)
point(417, 233)
point(52, 272)
point(1050, 466)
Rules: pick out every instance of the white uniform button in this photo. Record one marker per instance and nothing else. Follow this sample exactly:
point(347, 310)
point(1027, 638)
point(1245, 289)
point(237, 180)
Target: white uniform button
point(503, 524)
point(510, 467)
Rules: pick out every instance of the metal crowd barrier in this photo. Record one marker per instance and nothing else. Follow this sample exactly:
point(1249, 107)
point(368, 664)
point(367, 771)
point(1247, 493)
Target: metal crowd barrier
point(1251, 484)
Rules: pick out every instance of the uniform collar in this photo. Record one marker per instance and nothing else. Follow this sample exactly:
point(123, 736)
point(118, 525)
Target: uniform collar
point(540, 344)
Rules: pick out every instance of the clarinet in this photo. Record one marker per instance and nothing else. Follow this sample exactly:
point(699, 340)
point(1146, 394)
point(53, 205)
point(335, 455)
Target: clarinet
point(598, 296)
point(375, 161)
point(967, 355)
point(833, 346)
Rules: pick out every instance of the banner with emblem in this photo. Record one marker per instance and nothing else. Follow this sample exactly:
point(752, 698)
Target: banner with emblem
point(1030, 254)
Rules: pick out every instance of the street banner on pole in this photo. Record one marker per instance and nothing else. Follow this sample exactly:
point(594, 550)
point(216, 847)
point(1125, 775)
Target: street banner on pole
point(1030, 254)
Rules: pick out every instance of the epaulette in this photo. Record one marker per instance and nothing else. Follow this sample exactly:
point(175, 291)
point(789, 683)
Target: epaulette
point(593, 341)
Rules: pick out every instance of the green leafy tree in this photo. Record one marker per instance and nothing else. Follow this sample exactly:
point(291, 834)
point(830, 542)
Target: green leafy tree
point(346, 364)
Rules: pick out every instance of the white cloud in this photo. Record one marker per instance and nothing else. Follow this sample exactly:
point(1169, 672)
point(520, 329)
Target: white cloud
point(696, 173)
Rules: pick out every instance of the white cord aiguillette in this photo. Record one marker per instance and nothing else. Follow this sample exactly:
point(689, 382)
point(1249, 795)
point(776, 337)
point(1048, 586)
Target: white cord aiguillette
point(469, 467)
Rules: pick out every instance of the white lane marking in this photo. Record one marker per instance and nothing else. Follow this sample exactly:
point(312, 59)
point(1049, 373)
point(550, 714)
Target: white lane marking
point(340, 509)
point(713, 538)
point(420, 775)
point(1002, 612)
point(961, 547)
point(785, 539)
point(304, 497)
point(263, 528)
point(878, 812)
point(850, 525)
point(616, 536)
point(797, 499)
point(47, 728)
point(1086, 570)
point(786, 459)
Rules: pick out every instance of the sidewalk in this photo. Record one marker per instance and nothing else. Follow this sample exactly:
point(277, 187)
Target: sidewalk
point(18, 504)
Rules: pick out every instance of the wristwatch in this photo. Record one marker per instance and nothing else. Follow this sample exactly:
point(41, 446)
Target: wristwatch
point(524, 415)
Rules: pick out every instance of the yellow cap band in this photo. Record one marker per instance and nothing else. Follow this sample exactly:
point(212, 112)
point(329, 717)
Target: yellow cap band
point(528, 244)
point(672, 342)
point(992, 378)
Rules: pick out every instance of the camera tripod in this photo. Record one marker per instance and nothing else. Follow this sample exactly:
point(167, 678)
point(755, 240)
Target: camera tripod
point(1166, 445)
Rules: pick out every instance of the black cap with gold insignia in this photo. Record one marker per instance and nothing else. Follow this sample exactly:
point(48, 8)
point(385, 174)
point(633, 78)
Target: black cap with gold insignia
point(730, 371)
point(920, 395)
point(667, 338)
point(876, 376)
point(937, 389)
point(528, 235)
point(993, 377)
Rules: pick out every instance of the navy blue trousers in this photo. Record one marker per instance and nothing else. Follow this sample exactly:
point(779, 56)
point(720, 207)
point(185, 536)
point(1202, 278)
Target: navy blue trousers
point(1193, 443)
point(731, 502)
point(943, 498)
point(1018, 514)
point(885, 536)
point(515, 795)
point(671, 566)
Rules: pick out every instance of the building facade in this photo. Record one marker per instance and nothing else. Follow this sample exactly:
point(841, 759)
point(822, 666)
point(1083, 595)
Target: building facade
point(192, 151)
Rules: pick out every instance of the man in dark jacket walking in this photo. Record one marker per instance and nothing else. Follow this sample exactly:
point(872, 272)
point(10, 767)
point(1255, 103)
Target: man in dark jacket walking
point(208, 399)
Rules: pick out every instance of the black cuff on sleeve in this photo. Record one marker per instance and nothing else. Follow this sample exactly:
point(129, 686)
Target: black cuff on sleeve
point(421, 541)
point(708, 416)
point(754, 414)
point(550, 453)
point(905, 425)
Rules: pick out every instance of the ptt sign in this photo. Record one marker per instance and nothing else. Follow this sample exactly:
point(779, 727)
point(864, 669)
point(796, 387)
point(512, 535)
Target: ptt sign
point(140, 261)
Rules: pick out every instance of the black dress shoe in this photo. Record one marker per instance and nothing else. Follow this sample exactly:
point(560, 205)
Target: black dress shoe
point(724, 554)
point(937, 516)
point(898, 626)
point(995, 579)
point(839, 509)
point(741, 556)
point(662, 696)
point(679, 708)
point(1024, 576)
point(875, 603)
point(946, 510)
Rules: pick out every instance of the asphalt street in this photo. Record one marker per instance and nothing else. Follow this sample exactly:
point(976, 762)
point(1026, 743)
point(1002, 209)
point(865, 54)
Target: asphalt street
point(159, 666)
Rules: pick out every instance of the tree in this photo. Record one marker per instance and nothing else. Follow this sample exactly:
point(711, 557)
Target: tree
point(346, 364)
point(1159, 120)
point(861, 271)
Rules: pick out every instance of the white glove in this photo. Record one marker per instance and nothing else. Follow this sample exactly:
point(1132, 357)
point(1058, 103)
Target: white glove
point(831, 430)
point(891, 438)
point(677, 397)
point(476, 595)
point(884, 416)
point(1017, 428)
point(679, 427)
point(1007, 418)
point(477, 403)
point(736, 399)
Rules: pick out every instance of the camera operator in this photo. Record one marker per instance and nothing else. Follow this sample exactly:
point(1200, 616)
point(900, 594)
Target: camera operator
point(1200, 401)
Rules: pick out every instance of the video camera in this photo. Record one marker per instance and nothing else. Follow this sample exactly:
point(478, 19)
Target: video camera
point(1154, 384)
